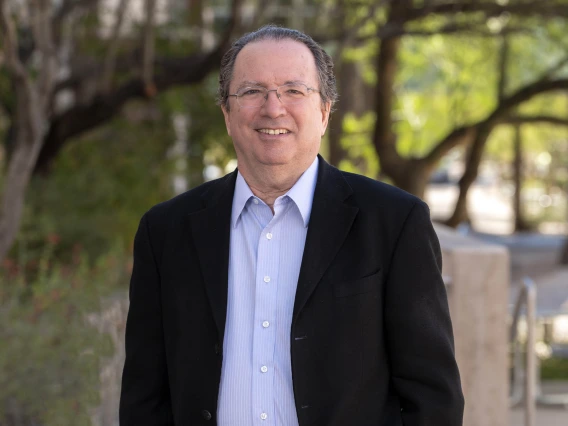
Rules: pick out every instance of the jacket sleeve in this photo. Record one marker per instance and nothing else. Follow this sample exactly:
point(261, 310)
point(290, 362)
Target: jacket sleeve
point(145, 398)
point(419, 331)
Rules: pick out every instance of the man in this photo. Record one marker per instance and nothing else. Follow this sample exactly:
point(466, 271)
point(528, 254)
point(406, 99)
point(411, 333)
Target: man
point(288, 292)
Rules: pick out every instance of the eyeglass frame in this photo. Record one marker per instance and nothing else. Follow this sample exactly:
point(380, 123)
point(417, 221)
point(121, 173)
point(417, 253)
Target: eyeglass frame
point(278, 95)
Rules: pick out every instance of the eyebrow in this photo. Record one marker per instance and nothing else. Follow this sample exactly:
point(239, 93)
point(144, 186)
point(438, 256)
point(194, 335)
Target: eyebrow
point(250, 83)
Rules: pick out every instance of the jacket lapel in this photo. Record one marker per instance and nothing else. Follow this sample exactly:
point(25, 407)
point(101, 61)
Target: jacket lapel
point(330, 222)
point(211, 229)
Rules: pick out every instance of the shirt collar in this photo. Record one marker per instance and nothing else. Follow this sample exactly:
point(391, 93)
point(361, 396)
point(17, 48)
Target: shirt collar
point(240, 198)
point(302, 193)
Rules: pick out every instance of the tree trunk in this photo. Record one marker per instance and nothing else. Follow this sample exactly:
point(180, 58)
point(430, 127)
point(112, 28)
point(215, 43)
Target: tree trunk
point(28, 136)
point(564, 253)
point(411, 174)
point(384, 139)
point(336, 151)
point(475, 154)
point(460, 213)
point(414, 177)
point(520, 223)
point(352, 101)
point(335, 127)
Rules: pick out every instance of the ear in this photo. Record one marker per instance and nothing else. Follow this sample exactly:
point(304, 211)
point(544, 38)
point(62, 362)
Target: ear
point(325, 112)
point(227, 116)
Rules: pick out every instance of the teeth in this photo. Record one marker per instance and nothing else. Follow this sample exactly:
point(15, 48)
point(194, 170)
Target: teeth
point(273, 131)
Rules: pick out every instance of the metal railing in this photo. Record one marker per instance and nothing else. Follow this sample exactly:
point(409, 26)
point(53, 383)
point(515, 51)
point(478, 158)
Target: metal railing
point(526, 387)
point(525, 380)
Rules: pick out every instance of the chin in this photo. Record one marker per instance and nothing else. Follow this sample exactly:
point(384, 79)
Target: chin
point(276, 158)
point(273, 162)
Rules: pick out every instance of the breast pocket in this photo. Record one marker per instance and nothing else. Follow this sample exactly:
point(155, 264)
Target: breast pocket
point(358, 286)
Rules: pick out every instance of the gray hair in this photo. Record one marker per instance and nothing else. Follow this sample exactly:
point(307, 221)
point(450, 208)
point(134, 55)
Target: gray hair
point(324, 64)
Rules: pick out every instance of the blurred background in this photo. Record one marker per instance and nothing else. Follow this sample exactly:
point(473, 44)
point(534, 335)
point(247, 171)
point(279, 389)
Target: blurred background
point(107, 107)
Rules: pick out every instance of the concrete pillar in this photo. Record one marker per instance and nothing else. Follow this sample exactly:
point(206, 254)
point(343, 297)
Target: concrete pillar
point(477, 276)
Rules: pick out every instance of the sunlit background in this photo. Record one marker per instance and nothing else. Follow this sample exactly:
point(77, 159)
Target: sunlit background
point(108, 107)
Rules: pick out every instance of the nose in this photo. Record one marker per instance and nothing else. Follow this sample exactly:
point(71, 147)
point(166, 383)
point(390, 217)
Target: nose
point(273, 106)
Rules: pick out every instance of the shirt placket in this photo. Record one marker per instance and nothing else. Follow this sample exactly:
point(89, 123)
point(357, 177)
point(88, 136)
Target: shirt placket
point(265, 326)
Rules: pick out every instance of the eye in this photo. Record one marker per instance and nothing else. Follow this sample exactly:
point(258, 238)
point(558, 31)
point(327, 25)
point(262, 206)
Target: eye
point(295, 91)
point(250, 92)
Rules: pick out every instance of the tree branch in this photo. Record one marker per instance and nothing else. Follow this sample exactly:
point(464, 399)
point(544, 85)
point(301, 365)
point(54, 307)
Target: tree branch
point(525, 9)
point(526, 93)
point(23, 83)
point(29, 118)
point(8, 28)
point(396, 29)
point(148, 48)
point(168, 73)
point(349, 35)
point(466, 28)
point(535, 119)
point(69, 6)
point(41, 27)
point(465, 133)
point(109, 62)
point(554, 69)
point(412, 14)
point(504, 52)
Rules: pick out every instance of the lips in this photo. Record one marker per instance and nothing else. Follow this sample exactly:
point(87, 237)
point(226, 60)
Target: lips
point(273, 131)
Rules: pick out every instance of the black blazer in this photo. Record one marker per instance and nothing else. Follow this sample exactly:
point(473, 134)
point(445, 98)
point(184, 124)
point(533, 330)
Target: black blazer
point(371, 341)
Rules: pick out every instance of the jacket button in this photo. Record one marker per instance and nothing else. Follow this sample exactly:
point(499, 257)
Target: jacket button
point(217, 348)
point(206, 415)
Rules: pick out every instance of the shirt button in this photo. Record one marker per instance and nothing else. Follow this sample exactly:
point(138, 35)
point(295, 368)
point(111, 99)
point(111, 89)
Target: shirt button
point(255, 201)
point(206, 415)
point(265, 324)
point(269, 236)
point(263, 416)
point(264, 368)
point(267, 279)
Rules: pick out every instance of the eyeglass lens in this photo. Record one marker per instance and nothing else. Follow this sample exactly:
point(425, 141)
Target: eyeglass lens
point(256, 96)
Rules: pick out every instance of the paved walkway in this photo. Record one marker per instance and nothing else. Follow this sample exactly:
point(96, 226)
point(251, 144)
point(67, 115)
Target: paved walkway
point(536, 255)
point(545, 416)
point(532, 254)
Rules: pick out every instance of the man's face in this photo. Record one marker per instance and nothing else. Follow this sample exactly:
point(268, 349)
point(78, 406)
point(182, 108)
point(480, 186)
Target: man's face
point(271, 64)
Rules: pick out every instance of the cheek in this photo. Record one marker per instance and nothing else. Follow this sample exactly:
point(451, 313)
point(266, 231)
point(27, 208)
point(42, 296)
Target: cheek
point(242, 120)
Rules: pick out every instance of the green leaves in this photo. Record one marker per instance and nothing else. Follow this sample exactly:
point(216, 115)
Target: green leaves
point(52, 352)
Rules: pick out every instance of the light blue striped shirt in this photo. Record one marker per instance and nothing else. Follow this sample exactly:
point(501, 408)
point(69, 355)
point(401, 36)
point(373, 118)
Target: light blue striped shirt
point(264, 264)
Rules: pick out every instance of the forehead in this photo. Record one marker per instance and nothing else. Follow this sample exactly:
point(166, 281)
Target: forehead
point(271, 62)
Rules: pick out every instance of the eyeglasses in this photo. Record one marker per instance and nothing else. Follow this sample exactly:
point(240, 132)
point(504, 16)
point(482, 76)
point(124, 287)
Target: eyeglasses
point(289, 94)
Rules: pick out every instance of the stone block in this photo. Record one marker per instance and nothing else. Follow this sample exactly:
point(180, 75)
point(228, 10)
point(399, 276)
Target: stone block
point(477, 275)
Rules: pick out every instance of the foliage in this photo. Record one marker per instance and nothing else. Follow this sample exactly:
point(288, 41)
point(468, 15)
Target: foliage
point(51, 355)
point(102, 184)
point(89, 205)
point(356, 140)
point(208, 131)
point(554, 369)
point(444, 82)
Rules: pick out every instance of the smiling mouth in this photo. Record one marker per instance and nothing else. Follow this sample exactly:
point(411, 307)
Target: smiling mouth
point(273, 131)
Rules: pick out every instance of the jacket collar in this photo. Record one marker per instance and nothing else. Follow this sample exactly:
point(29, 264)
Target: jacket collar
point(330, 221)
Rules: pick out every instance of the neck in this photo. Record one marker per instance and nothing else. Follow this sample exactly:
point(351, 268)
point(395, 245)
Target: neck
point(269, 183)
